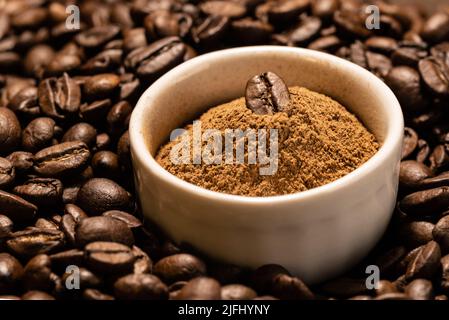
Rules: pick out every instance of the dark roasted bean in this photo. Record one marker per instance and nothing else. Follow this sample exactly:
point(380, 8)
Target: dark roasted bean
point(109, 257)
point(103, 229)
point(179, 267)
point(426, 263)
point(41, 191)
point(10, 131)
point(16, 208)
point(200, 288)
point(33, 241)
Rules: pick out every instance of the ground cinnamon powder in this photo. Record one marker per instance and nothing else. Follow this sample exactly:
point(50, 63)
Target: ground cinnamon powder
point(319, 142)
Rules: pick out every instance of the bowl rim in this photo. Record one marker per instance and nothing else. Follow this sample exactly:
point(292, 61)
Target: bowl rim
point(140, 150)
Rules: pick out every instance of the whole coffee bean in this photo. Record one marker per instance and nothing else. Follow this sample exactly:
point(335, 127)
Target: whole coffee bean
point(106, 164)
point(38, 274)
point(324, 9)
point(103, 229)
point(285, 11)
point(43, 223)
point(179, 267)
point(104, 61)
point(351, 24)
point(435, 73)
point(143, 263)
point(81, 132)
point(16, 208)
point(416, 233)
point(134, 38)
point(140, 287)
point(378, 64)
point(249, 31)
point(30, 18)
point(25, 102)
point(436, 27)
point(444, 284)
point(41, 191)
point(307, 30)
point(131, 221)
point(101, 86)
point(423, 151)
point(10, 131)
point(163, 23)
point(61, 159)
point(118, 116)
point(385, 45)
point(223, 8)
point(76, 212)
point(99, 195)
point(37, 295)
point(123, 150)
point(62, 62)
point(441, 233)
point(427, 202)
point(22, 161)
point(434, 182)
point(154, 60)
point(7, 172)
point(63, 259)
point(287, 287)
point(33, 241)
point(37, 58)
point(409, 54)
point(87, 279)
point(420, 289)
point(406, 84)
point(263, 277)
point(384, 287)
point(226, 274)
point(94, 294)
point(410, 142)
point(38, 134)
point(97, 36)
point(237, 292)
point(6, 226)
point(411, 173)
point(11, 272)
point(95, 111)
point(211, 30)
point(267, 93)
point(68, 225)
point(426, 263)
point(102, 141)
point(327, 44)
point(200, 288)
point(109, 257)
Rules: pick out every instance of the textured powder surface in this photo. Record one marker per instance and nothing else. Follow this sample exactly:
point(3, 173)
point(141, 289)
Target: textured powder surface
point(319, 142)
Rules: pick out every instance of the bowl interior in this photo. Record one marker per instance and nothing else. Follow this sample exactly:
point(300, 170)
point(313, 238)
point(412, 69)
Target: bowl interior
point(192, 88)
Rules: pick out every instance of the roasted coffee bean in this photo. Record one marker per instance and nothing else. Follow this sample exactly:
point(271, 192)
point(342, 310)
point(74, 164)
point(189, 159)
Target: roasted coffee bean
point(434, 182)
point(237, 292)
point(94, 294)
point(33, 241)
point(38, 134)
point(81, 132)
point(324, 9)
point(420, 289)
point(11, 272)
point(37, 59)
point(409, 54)
point(307, 30)
point(99, 195)
point(416, 233)
point(267, 93)
point(76, 212)
point(384, 45)
point(441, 233)
point(200, 288)
point(6, 226)
point(140, 287)
point(328, 44)
point(378, 64)
point(134, 38)
point(393, 296)
point(223, 8)
point(436, 27)
point(37, 295)
point(61, 159)
point(16, 208)
point(25, 102)
point(97, 36)
point(68, 225)
point(118, 117)
point(143, 263)
point(101, 86)
point(22, 161)
point(351, 24)
point(102, 141)
point(41, 191)
point(43, 223)
point(38, 274)
point(426, 263)
point(427, 202)
point(250, 31)
point(262, 279)
point(406, 84)
point(423, 151)
point(384, 287)
point(439, 159)
point(435, 74)
point(87, 279)
point(162, 23)
point(131, 221)
point(411, 173)
point(65, 258)
point(109, 257)
point(211, 30)
point(123, 150)
point(106, 164)
point(58, 97)
point(154, 60)
point(287, 287)
point(10, 131)
point(286, 11)
point(103, 229)
point(7, 172)
point(95, 111)
point(61, 63)
point(179, 267)
point(104, 61)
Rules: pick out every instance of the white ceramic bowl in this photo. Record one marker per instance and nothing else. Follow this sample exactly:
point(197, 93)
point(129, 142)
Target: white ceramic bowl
point(315, 234)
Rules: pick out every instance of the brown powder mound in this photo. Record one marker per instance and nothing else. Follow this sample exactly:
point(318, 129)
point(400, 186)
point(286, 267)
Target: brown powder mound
point(319, 142)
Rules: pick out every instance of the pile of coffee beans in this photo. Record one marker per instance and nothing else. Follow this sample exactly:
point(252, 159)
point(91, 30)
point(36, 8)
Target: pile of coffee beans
point(69, 227)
